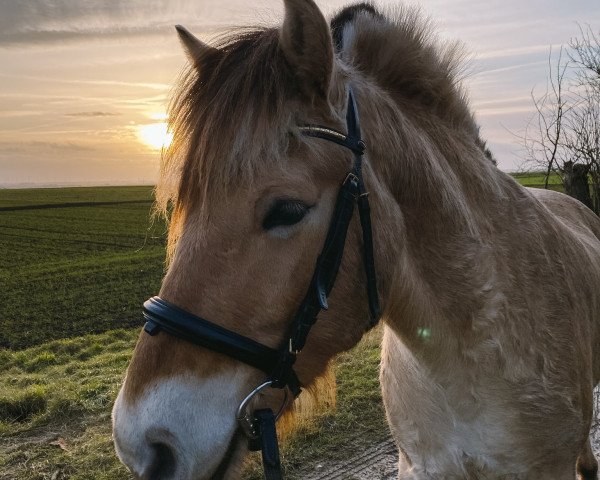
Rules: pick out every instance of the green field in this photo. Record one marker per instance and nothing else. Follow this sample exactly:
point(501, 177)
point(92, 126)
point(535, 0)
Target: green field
point(536, 180)
point(75, 261)
point(75, 266)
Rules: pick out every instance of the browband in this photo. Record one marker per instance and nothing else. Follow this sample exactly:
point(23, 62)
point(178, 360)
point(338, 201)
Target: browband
point(326, 133)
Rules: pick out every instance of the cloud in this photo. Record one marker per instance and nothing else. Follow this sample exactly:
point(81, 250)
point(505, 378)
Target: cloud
point(43, 37)
point(20, 113)
point(92, 114)
point(513, 53)
point(499, 111)
point(46, 21)
point(37, 147)
point(71, 81)
point(495, 71)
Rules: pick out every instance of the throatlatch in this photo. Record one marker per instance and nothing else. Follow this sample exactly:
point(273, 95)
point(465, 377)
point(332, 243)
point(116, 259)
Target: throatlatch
point(278, 363)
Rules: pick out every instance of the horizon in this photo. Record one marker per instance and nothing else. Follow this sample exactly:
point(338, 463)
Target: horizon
point(85, 87)
point(34, 186)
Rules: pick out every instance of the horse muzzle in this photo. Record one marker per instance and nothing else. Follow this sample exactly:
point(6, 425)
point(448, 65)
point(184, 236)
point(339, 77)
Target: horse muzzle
point(181, 428)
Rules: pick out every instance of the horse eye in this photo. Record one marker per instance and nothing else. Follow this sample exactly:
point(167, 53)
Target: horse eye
point(284, 213)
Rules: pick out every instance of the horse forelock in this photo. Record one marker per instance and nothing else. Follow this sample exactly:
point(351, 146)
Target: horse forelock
point(232, 119)
point(227, 118)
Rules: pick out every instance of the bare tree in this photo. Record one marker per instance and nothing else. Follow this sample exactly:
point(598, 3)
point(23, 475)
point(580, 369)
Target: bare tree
point(563, 137)
point(585, 53)
point(583, 140)
point(543, 137)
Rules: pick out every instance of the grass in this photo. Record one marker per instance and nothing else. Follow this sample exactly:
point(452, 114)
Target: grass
point(56, 398)
point(62, 392)
point(76, 269)
point(536, 180)
point(57, 196)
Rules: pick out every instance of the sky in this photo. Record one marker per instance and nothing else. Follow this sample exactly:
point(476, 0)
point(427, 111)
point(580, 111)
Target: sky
point(84, 84)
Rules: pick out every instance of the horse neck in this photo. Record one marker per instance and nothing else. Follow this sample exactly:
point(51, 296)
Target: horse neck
point(439, 194)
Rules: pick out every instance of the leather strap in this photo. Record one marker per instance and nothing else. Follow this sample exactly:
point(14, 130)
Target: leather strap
point(265, 421)
point(162, 315)
point(327, 266)
point(364, 211)
point(352, 190)
point(334, 136)
point(322, 281)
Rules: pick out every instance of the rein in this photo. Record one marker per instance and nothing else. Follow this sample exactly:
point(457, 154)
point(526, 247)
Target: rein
point(161, 315)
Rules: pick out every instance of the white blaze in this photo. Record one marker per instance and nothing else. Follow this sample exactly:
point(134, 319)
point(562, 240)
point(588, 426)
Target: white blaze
point(195, 418)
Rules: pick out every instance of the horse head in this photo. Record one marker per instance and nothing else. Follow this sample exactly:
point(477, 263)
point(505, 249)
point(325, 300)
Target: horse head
point(253, 191)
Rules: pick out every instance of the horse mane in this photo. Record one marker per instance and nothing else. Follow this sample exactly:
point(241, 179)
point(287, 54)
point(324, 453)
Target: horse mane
point(235, 99)
point(421, 73)
point(439, 161)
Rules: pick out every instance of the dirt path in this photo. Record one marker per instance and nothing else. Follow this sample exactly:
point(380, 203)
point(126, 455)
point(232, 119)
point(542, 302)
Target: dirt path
point(379, 462)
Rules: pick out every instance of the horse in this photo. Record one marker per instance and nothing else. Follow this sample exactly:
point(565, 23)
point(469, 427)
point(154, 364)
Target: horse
point(488, 290)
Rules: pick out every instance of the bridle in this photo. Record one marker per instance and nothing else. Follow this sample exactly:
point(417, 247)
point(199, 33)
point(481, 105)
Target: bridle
point(259, 426)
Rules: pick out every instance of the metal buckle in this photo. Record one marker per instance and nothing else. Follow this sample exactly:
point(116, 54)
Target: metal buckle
point(354, 182)
point(246, 420)
point(351, 176)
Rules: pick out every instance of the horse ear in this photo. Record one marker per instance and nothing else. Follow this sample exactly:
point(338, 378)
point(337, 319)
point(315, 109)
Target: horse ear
point(195, 49)
point(306, 44)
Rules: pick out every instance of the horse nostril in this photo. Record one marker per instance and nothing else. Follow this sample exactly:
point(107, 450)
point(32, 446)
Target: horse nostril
point(163, 466)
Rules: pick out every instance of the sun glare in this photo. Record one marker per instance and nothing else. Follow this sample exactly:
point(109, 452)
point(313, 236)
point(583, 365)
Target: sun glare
point(155, 135)
point(158, 116)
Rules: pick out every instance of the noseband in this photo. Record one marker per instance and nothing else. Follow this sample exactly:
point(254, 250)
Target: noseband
point(159, 314)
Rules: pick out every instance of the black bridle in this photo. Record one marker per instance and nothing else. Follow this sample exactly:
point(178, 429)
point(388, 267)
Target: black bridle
point(278, 363)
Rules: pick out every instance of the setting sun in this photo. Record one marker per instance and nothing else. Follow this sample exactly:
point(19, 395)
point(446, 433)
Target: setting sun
point(155, 135)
